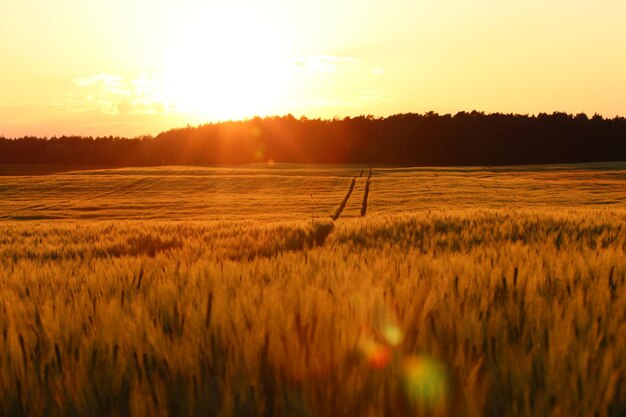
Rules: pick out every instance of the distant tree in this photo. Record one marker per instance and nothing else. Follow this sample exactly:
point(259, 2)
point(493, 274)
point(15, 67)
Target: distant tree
point(473, 138)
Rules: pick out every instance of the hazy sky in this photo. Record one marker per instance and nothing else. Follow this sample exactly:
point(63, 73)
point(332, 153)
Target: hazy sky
point(132, 67)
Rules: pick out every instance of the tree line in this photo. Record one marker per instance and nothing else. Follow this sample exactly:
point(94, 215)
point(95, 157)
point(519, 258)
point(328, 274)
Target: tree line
point(411, 139)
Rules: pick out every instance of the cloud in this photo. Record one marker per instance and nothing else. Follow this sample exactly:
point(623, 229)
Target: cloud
point(375, 96)
point(102, 80)
point(113, 94)
point(125, 106)
point(54, 120)
point(325, 63)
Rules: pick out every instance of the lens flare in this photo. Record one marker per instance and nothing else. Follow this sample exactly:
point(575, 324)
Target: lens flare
point(377, 354)
point(425, 382)
point(392, 334)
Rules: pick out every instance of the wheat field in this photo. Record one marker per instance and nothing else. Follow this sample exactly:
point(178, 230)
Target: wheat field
point(230, 291)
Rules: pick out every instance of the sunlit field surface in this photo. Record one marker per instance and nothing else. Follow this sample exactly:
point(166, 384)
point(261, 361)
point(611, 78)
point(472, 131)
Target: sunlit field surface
point(297, 193)
point(230, 291)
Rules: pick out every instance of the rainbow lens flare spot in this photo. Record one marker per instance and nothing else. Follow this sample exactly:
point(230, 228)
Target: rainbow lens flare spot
point(392, 334)
point(378, 355)
point(425, 382)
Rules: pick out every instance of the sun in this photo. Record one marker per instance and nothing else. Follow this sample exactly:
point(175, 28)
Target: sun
point(218, 72)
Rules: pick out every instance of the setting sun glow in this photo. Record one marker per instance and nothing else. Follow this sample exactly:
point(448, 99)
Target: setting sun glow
point(240, 70)
point(140, 67)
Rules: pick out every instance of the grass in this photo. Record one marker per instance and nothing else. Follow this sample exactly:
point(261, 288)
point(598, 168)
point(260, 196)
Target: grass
point(209, 291)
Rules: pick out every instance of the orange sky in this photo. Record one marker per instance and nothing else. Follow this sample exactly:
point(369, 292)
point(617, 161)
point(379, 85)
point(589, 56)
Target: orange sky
point(133, 67)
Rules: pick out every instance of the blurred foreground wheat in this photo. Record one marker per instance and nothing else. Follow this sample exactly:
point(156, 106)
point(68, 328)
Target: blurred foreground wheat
point(462, 313)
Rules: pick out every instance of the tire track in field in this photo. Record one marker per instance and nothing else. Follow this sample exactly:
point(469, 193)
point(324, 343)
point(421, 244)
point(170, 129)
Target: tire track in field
point(134, 186)
point(22, 209)
point(46, 206)
point(137, 185)
point(143, 186)
point(435, 194)
point(38, 207)
point(343, 203)
point(31, 206)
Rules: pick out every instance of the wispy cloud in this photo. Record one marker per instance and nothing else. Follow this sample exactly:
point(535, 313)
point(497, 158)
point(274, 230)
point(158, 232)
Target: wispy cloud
point(375, 96)
point(325, 63)
point(56, 120)
point(102, 80)
point(113, 94)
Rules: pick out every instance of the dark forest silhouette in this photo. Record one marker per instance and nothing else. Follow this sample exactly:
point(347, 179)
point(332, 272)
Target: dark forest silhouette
point(405, 139)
